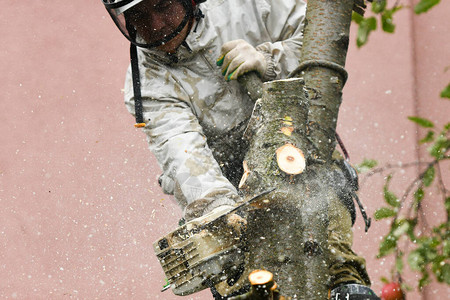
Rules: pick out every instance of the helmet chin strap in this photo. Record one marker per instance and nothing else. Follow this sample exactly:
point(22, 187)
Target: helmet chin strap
point(136, 87)
point(136, 83)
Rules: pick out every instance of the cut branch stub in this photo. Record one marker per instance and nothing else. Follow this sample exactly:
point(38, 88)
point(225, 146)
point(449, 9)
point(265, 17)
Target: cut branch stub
point(260, 277)
point(290, 159)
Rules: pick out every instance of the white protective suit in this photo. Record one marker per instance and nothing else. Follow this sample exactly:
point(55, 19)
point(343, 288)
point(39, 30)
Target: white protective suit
point(194, 118)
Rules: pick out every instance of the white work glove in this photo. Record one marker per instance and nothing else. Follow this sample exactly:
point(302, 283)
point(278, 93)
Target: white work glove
point(239, 57)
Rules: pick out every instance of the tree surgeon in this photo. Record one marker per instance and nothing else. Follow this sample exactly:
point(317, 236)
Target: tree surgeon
point(181, 88)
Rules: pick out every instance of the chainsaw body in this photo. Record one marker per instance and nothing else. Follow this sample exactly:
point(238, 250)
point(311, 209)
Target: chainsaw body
point(199, 255)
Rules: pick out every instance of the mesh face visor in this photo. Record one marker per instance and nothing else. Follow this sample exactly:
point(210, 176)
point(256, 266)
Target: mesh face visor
point(150, 23)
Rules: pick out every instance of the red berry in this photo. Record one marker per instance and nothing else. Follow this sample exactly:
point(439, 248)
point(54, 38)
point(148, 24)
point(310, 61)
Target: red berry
point(392, 291)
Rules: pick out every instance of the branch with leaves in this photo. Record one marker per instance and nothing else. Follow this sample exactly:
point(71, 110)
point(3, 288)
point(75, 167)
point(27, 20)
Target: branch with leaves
point(426, 249)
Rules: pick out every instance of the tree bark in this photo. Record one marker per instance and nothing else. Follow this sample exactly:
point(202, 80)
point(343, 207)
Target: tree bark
point(287, 233)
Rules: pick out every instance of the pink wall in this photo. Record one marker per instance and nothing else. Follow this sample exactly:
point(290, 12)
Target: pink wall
point(79, 203)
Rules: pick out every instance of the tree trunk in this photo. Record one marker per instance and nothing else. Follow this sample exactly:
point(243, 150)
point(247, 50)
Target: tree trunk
point(292, 138)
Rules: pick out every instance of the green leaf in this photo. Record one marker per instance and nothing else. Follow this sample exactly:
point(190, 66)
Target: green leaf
point(389, 196)
point(428, 176)
point(422, 122)
point(387, 22)
point(357, 18)
point(446, 248)
point(378, 6)
point(444, 131)
point(445, 273)
point(447, 205)
point(440, 146)
point(446, 127)
point(384, 280)
point(366, 165)
point(432, 243)
point(428, 138)
point(424, 280)
point(388, 245)
point(419, 194)
point(446, 92)
point(410, 231)
point(384, 212)
point(415, 260)
point(365, 27)
point(437, 263)
point(401, 227)
point(425, 5)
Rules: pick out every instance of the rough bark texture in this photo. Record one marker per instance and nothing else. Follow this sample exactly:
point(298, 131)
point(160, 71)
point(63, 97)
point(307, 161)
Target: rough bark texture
point(288, 232)
point(325, 44)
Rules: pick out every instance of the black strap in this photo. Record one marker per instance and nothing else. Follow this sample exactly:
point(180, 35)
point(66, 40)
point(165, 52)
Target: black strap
point(354, 183)
point(136, 84)
point(367, 220)
point(341, 144)
point(198, 15)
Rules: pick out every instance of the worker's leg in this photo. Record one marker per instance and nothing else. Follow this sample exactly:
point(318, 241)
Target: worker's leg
point(345, 265)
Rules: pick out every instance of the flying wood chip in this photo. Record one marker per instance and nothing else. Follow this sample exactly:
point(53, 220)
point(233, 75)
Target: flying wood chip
point(244, 175)
point(290, 159)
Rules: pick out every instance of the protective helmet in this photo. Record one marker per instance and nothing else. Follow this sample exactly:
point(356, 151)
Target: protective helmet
point(151, 23)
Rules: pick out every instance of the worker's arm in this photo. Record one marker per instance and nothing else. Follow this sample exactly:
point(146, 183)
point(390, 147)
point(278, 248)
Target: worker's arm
point(175, 136)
